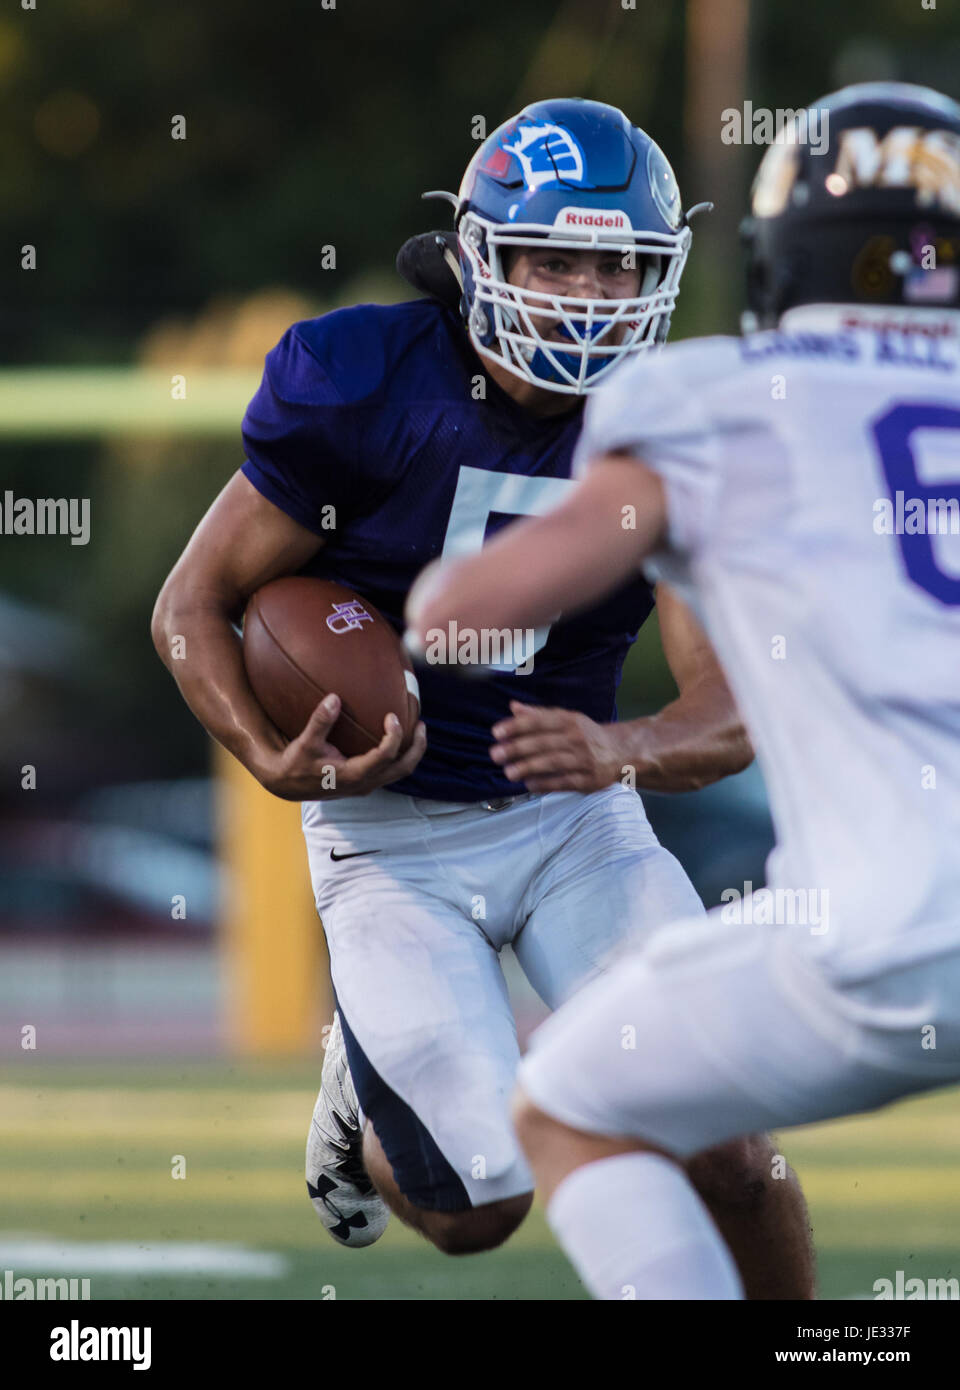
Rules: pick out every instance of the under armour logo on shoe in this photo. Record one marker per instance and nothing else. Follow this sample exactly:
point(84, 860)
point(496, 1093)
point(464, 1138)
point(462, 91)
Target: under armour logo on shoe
point(345, 1224)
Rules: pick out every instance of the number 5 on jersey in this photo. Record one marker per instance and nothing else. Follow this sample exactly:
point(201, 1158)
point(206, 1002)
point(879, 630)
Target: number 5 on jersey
point(480, 493)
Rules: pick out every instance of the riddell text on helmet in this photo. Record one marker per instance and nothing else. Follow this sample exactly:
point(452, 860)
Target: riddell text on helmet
point(592, 217)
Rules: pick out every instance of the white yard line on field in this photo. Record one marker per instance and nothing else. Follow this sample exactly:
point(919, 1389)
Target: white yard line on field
point(47, 1253)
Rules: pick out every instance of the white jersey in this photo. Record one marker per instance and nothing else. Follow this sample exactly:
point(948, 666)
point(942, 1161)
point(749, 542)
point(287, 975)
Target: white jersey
point(812, 479)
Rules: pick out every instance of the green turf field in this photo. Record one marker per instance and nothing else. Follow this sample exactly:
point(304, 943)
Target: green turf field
point(86, 1154)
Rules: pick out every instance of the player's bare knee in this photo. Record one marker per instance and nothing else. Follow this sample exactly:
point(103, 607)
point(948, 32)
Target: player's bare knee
point(480, 1228)
point(738, 1173)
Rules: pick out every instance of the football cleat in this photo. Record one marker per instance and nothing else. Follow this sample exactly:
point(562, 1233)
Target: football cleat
point(343, 1196)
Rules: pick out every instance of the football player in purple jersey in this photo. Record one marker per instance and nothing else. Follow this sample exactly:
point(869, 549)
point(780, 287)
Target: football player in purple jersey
point(422, 428)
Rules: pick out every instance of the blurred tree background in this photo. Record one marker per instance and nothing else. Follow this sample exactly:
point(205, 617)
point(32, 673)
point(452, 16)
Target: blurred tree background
point(307, 126)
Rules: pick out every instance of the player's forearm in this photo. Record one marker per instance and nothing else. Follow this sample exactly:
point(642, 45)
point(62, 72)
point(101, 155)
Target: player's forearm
point(198, 644)
point(564, 561)
point(522, 579)
point(695, 740)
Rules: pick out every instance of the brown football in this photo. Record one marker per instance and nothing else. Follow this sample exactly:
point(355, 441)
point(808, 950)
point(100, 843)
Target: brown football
point(304, 637)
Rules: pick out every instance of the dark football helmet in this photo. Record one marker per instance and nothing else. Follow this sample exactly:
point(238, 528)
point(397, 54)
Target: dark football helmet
point(872, 219)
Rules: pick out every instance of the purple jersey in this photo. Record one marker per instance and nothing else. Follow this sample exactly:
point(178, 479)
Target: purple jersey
point(367, 430)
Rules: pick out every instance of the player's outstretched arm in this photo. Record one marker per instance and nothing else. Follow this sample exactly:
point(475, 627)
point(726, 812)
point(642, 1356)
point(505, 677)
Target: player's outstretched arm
point(241, 543)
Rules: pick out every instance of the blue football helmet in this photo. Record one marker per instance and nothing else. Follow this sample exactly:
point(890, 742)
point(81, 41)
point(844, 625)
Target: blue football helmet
point(578, 174)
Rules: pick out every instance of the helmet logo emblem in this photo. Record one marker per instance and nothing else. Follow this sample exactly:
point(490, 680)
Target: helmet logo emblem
point(347, 617)
point(927, 161)
point(547, 153)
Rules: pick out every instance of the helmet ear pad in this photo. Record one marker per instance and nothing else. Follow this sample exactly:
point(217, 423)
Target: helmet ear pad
point(426, 262)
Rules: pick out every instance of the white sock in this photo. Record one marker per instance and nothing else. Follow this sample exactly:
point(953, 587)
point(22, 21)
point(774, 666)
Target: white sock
point(633, 1227)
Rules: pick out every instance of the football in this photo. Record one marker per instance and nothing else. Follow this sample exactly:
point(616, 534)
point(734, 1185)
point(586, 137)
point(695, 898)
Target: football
point(305, 637)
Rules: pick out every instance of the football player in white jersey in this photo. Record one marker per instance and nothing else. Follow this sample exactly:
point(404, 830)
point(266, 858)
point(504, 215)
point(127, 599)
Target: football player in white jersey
point(801, 486)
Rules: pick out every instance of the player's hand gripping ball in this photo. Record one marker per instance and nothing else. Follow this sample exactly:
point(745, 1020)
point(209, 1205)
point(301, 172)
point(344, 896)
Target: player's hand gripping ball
point(305, 639)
